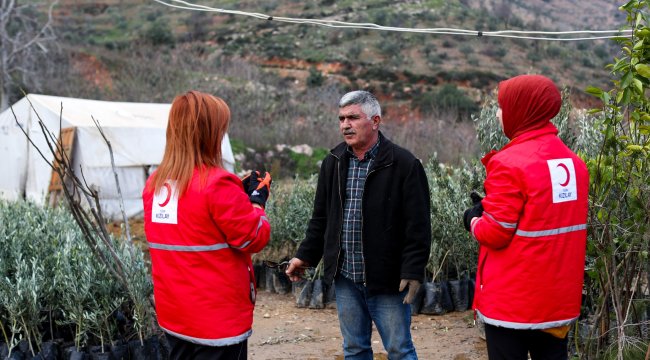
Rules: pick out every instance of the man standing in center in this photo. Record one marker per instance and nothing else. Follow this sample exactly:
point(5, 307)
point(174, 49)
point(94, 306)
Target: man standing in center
point(371, 225)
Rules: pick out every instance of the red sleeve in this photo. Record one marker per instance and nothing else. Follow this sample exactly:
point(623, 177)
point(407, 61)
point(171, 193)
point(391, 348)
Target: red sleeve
point(245, 227)
point(502, 206)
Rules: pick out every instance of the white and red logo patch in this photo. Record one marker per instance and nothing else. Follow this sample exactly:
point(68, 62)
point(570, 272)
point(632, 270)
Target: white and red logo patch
point(563, 180)
point(165, 204)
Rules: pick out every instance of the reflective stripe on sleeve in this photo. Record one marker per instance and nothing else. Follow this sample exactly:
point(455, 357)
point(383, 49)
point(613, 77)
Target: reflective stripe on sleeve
point(471, 226)
point(257, 231)
point(215, 247)
point(557, 231)
point(189, 248)
point(504, 225)
point(259, 225)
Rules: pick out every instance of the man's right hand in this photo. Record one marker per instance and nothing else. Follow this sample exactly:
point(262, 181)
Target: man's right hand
point(296, 268)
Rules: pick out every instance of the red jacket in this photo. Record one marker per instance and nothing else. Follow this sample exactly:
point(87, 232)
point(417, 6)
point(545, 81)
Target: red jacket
point(200, 248)
point(532, 233)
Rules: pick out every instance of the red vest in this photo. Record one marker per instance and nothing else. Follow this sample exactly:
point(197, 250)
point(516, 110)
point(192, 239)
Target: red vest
point(200, 248)
point(532, 234)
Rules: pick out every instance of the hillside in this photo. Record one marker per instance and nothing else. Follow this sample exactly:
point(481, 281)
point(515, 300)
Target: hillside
point(353, 53)
point(140, 50)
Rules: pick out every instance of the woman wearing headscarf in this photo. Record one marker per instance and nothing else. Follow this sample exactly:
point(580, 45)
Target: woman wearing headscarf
point(202, 223)
point(531, 228)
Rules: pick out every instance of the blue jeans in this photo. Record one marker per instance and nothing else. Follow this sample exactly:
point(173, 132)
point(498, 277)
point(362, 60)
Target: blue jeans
point(357, 310)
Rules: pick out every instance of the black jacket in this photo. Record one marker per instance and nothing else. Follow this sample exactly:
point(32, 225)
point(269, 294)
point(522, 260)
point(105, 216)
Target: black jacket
point(396, 229)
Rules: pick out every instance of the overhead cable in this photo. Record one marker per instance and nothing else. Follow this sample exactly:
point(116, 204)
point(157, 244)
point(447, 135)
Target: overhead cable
point(514, 34)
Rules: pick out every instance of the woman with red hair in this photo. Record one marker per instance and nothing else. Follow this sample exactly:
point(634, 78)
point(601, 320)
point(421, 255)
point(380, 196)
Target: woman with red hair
point(531, 228)
point(202, 223)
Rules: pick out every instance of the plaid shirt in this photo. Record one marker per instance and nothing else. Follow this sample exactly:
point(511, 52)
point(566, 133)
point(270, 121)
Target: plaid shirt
point(352, 266)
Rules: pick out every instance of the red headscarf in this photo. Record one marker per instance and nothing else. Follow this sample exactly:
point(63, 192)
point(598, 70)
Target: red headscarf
point(528, 102)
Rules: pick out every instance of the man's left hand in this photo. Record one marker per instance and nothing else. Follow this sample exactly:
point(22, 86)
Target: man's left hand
point(413, 286)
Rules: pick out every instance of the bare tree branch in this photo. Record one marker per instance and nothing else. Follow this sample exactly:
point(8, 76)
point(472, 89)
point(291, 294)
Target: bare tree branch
point(89, 218)
point(117, 182)
point(23, 41)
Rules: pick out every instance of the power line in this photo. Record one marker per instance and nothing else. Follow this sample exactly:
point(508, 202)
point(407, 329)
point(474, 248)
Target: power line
point(514, 34)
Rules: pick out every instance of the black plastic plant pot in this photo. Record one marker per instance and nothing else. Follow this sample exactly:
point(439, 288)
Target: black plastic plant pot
point(71, 353)
point(151, 349)
point(302, 290)
point(260, 279)
point(316, 301)
point(136, 350)
point(49, 351)
point(437, 300)
point(16, 354)
point(459, 294)
point(416, 304)
point(4, 351)
point(445, 297)
point(120, 352)
point(268, 281)
point(431, 303)
point(471, 285)
point(330, 297)
point(101, 356)
point(281, 282)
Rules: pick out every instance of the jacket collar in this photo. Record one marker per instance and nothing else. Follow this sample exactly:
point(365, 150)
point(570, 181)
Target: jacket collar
point(384, 154)
point(528, 135)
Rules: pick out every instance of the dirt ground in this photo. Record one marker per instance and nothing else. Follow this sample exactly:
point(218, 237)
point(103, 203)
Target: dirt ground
point(281, 330)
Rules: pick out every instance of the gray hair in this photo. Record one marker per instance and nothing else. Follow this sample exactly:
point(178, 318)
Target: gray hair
point(368, 102)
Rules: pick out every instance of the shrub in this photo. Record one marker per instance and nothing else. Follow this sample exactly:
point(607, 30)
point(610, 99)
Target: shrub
point(466, 49)
point(449, 97)
point(289, 210)
point(47, 268)
point(452, 248)
point(379, 73)
point(315, 77)
point(159, 33)
point(619, 221)
point(602, 52)
point(553, 51)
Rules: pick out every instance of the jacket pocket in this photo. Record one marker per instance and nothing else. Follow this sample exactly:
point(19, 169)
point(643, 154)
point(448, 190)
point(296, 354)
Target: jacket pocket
point(253, 291)
point(481, 264)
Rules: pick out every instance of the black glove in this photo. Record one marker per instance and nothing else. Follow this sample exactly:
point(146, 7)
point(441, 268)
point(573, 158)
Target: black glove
point(476, 198)
point(259, 187)
point(246, 182)
point(474, 211)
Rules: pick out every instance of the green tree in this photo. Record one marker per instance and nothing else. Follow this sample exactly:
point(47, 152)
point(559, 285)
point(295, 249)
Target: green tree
point(619, 231)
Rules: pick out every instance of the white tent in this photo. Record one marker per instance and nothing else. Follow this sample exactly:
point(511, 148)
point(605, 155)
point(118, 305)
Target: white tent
point(136, 132)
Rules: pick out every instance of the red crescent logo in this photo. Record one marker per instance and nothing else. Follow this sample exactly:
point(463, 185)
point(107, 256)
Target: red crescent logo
point(568, 175)
point(169, 195)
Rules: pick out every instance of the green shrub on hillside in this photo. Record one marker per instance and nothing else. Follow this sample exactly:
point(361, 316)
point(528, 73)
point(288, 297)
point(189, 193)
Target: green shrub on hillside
point(159, 33)
point(448, 98)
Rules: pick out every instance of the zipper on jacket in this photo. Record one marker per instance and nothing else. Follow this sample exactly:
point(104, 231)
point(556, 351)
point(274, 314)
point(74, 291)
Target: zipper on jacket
point(338, 183)
point(253, 291)
point(480, 269)
point(362, 223)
